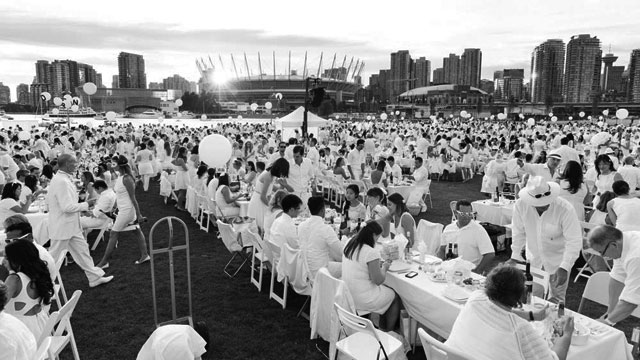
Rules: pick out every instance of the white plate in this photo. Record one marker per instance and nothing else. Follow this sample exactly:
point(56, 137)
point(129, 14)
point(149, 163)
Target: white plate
point(398, 266)
point(433, 278)
point(456, 293)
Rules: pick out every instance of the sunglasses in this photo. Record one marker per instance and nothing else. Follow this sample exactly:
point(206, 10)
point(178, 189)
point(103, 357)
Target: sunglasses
point(538, 196)
point(467, 214)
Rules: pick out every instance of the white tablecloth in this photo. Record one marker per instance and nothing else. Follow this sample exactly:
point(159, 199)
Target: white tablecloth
point(404, 190)
point(424, 301)
point(40, 226)
point(494, 213)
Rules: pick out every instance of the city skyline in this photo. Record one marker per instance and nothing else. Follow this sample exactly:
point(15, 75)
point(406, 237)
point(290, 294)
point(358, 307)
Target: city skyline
point(171, 37)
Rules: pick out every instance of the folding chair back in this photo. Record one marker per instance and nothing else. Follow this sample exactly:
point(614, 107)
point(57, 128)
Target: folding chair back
point(59, 325)
point(257, 253)
point(229, 236)
point(431, 234)
point(597, 290)
point(452, 206)
point(356, 323)
point(43, 350)
point(58, 286)
point(435, 350)
point(275, 253)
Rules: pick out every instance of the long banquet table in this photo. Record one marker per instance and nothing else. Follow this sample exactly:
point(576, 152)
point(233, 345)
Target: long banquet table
point(499, 213)
point(425, 302)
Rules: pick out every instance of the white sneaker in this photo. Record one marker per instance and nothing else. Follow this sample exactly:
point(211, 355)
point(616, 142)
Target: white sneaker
point(102, 280)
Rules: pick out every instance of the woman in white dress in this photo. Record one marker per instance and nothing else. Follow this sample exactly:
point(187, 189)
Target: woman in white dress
point(573, 188)
point(402, 221)
point(624, 209)
point(225, 200)
point(364, 276)
point(9, 204)
point(378, 176)
point(144, 159)
point(182, 177)
point(128, 213)
point(607, 174)
point(29, 285)
point(275, 174)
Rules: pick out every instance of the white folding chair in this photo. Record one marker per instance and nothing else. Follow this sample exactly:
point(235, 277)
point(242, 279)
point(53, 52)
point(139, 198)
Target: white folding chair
point(232, 242)
point(258, 254)
point(338, 191)
point(430, 234)
point(588, 254)
point(58, 327)
point(101, 235)
point(427, 192)
point(435, 350)
point(452, 206)
point(540, 277)
point(275, 252)
point(293, 265)
point(597, 290)
point(205, 211)
point(366, 343)
point(59, 294)
point(43, 353)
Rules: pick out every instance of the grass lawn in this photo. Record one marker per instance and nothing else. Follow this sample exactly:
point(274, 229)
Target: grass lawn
point(112, 321)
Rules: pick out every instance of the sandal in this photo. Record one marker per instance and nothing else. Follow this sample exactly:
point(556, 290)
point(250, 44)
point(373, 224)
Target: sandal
point(138, 262)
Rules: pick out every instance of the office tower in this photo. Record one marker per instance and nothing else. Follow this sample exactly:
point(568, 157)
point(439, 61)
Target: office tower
point(470, 67)
point(155, 86)
point(400, 73)
point(36, 90)
point(486, 85)
point(451, 67)
point(582, 70)
point(633, 82)
point(59, 75)
point(176, 82)
point(22, 93)
point(513, 81)
point(422, 72)
point(5, 94)
point(498, 83)
point(438, 76)
point(383, 82)
point(42, 72)
point(131, 71)
point(115, 82)
point(547, 72)
point(98, 82)
point(86, 74)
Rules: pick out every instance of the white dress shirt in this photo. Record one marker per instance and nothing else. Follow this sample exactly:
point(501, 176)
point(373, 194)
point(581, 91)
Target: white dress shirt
point(552, 240)
point(284, 230)
point(299, 176)
point(64, 209)
point(313, 155)
point(472, 239)
point(626, 269)
point(105, 202)
point(395, 171)
point(355, 158)
point(631, 175)
point(320, 243)
point(421, 176)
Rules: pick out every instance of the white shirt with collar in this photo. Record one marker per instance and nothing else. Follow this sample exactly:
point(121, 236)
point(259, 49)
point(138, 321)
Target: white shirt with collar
point(541, 170)
point(284, 230)
point(394, 170)
point(313, 155)
point(299, 176)
point(553, 240)
point(472, 239)
point(631, 175)
point(421, 176)
point(105, 203)
point(320, 243)
point(64, 209)
point(355, 158)
point(626, 269)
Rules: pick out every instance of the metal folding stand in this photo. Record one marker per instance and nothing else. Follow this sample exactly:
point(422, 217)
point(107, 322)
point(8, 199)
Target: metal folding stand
point(170, 250)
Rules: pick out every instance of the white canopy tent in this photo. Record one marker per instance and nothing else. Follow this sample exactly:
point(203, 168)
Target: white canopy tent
point(293, 121)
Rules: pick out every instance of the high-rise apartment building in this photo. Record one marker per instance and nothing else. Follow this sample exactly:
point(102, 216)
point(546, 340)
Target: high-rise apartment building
point(5, 94)
point(422, 72)
point(115, 82)
point(86, 74)
point(438, 76)
point(451, 66)
point(98, 82)
point(470, 67)
point(486, 85)
point(36, 90)
point(22, 92)
point(42, 72)
point(498, 83)
point(177, 82)
point(60, 77)
point(633, 84)
point(383, 83)
point(582, 70)
point(400, 73)
point(547, 71)
point(131, 71)
point(513, 81)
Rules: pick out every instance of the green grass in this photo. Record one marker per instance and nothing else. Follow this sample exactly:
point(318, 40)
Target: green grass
point(114, 320)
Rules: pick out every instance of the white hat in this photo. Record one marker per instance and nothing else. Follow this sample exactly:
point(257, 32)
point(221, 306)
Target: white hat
point(555, 154)
point(539, 192)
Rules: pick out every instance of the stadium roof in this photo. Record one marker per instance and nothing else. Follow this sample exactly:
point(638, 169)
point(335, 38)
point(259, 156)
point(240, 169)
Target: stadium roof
point(438, 88)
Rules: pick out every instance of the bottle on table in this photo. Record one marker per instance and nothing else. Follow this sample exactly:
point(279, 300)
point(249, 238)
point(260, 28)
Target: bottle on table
point(345, 219)
point(449, 255)
point(455, 250)
point(560, 309)
point(528, 282)
point(496, 195)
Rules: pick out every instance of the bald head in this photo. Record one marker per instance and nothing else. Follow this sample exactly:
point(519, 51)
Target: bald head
point(67, 163)
point(603, 234)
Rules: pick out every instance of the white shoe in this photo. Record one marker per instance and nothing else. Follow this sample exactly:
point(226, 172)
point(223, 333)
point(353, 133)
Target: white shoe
point(102, 280)
point(423, 208)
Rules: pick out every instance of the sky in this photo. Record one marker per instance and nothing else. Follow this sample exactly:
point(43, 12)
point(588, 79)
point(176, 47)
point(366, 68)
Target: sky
point(172, 34)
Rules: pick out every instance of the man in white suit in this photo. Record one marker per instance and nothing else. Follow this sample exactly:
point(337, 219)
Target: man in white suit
point(65, 230)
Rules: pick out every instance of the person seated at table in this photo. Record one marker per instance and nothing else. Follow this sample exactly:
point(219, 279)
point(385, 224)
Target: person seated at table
point(624, 285)
point(600, 216)
point(364, 275)
point(16, 340)
point(99, 215)
point(17, 227)
point(491, 327)
point(225, 199)
point(421, 177)
point(284, 230)
point(352, 205)
point(319, 241)
point(377, 208)
point(474, 244)
point(29, 284)
point(9, 204)
point(250, 176)
point(378, 176)
point(87, 192)
point(401, 220)
point(237, 172)
point(338, 168)
point(275, 211)
point(393, 170)
point(624, 209)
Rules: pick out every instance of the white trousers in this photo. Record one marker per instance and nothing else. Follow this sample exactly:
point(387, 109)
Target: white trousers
point(79, 250)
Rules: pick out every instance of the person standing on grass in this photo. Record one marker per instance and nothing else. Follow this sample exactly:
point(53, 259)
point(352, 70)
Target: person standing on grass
point(128, 213)
point(65, 230)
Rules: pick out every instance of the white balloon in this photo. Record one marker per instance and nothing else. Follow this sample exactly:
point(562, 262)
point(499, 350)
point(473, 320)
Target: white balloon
point(581, 113)
point(622, 114)
point(89, 122)
point(230, 117)
point(57, 101)
point(600, 123)
point(66, 103)
point(531, 121)
point(502, 116)
point(397, 112)
point(254, 107)
point(90, 88)
point(589, 117)
point(215, 150)
point(521, 116)
point(75, 108)
point(55, 111)
point(239, 117)
point(554, 119)
point(550, 114)
point(67, 97)
point(75, 101)
point(268, 105)
point(203, 117)
point(369, 117)
point(179, 102)
point(279, 96)
point(463, 113)
point(24, 135)
point(383, 116)
point(605, 112)
point(570, 118)
point(111, 115)
point(45, 96)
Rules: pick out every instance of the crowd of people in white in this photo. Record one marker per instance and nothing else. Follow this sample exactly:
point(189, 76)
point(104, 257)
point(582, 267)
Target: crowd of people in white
point(561, 174)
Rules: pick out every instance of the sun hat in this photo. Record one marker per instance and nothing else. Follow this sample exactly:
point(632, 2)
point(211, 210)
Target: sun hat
point(555, 154)
point(539, 192)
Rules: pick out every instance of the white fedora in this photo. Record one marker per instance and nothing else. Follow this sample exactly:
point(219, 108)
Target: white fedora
point(539, 192)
